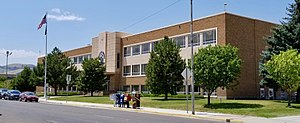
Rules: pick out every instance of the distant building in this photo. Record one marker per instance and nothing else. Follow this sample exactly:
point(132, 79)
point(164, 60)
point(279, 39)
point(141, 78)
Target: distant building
point(126, 56)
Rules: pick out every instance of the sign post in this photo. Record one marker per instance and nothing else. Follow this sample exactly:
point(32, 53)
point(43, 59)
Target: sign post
point(68, 82)
point(186, 73)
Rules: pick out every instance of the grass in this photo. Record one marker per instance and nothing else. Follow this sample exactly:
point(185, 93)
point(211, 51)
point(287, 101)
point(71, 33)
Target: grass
point(261, 108)
point(59, 94)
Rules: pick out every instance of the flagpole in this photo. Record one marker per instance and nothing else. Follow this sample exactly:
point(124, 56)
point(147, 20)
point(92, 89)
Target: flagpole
point(192, 59)
point(46, 54)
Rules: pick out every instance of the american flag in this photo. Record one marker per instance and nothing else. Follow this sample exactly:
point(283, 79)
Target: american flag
point(44, 21)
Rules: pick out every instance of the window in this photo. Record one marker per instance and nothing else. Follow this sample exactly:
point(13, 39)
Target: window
point(135, 69)
point(144, 88)
point(127, 71)
point(196, 39)
point(136, 50)
point(153, 44)
point(118, 60)
point(209, 37)
point(80, 59)
point(143, 69)
point(127, 51)
point(126, 88)
point(145, 48)
point(86, 57)
point(75, 59)
point(180, 41)
point(72, 60)
point(135, 88)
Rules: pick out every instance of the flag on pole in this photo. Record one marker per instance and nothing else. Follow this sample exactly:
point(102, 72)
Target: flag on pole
point(44, 21)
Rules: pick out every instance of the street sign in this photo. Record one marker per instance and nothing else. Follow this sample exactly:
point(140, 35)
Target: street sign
point(68, 79)
point(186, 74)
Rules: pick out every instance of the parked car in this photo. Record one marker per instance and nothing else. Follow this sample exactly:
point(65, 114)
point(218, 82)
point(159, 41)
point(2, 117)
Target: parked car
point(12, 95)
point(28, 96)
point(2, 91)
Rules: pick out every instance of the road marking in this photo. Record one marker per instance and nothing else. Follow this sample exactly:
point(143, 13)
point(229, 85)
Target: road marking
point(51, 121)
point(104, 116)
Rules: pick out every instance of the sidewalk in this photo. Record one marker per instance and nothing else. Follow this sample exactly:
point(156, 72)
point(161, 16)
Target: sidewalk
point(182, 113)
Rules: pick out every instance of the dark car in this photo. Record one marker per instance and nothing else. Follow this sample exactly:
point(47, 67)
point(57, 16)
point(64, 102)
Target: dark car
point(2, 91)
point(28, 96)
point(12, 95)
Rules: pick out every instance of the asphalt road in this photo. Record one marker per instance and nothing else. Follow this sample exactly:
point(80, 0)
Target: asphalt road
point(30, 112)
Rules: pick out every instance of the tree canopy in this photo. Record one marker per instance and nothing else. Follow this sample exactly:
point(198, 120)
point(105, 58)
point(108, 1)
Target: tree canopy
point(284, 69)
point(283, 37)
point(164, 68)
point(23, 81)
point(93, 77)
point(57, 67)
point(216, 66)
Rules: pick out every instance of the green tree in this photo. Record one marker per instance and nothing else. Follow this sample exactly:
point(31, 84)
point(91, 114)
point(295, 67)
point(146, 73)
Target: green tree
point(93, 77)
point(37, 75)
point(284, 69)
point(57, 67)
point(217, 66)
point(2, 81)
point(283, 37)
point(164, 68)
point(22, 81)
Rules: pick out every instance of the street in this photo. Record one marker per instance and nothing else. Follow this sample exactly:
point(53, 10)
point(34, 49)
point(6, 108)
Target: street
point(26, 112)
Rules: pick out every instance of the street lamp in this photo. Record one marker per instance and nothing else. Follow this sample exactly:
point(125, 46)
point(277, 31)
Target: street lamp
point(7, 54)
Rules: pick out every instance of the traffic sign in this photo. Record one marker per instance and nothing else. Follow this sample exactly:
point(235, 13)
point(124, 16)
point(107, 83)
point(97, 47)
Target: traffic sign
point(186, 74)
point(68, 79)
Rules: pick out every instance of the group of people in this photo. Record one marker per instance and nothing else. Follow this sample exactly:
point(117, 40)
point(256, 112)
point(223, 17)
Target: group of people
point(122, 99)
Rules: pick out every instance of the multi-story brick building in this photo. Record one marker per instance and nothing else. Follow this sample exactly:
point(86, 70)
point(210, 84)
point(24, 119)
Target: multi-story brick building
point(126, 55)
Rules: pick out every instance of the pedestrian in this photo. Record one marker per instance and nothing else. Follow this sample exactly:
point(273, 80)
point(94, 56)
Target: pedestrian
point(114, 98)
point(122, 100)
point(117, 99)
point(128, 99)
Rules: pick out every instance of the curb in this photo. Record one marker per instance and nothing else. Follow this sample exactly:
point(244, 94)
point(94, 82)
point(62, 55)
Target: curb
point(223, 119)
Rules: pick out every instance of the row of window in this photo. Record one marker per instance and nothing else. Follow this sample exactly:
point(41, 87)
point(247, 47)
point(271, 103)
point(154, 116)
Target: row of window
point(207, 37)
point(135, 88)
point(133, 70)
point(79, 59)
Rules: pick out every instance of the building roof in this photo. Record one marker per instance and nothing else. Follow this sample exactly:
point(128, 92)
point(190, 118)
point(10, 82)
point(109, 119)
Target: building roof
point(200, 19)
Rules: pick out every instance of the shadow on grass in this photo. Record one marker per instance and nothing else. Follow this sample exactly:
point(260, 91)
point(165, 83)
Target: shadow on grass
point(174, 99)
point(284, 101)
point(232, 106)
point(296, 107)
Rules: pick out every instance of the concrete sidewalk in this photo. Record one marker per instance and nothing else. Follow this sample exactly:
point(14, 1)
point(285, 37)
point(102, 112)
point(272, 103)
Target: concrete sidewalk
point(182, 113)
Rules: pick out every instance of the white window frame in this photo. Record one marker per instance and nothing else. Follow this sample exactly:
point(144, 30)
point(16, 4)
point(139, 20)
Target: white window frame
point(125, 53)
point(136, 73)
point(124, 70)
point(210, 42)
point(146, 51)
point(137, 53)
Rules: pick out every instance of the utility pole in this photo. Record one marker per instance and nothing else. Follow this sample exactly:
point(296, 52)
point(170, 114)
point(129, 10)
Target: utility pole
point(7, 54)
point(192, 60)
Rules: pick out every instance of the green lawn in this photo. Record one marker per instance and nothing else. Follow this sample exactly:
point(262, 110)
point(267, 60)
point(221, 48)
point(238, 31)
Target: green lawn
point(261, 108)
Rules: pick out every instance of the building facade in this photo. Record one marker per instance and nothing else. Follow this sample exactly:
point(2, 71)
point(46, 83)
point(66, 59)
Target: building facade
point(126, 55)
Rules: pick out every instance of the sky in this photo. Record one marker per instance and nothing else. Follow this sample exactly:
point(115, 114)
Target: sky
point(73, 23)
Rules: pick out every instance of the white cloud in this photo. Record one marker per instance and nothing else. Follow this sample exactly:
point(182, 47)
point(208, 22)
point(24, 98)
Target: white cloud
point(62, 15)
point(18, 56)
point(56, 10)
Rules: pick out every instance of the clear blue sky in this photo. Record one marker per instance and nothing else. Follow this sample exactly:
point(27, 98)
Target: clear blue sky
point(73, 23)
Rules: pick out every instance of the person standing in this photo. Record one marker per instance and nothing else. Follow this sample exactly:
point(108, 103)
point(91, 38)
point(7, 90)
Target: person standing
point(122, 100)
point(128, 99)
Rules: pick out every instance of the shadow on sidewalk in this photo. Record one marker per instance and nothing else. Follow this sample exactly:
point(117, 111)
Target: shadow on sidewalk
point(232, 106)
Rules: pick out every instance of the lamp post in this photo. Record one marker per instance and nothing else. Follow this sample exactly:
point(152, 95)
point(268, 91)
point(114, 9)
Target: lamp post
point(7, 54)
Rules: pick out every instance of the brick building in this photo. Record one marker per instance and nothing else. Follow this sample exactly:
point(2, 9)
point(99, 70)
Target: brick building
point(126, 55)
